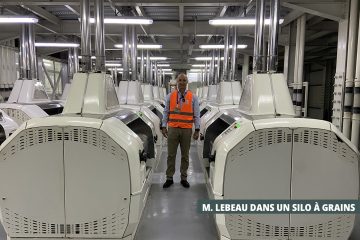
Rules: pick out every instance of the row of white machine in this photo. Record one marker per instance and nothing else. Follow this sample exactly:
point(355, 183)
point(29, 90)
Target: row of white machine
point(86, 172)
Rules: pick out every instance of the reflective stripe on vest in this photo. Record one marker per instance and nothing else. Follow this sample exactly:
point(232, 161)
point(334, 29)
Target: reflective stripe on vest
point(181, 114)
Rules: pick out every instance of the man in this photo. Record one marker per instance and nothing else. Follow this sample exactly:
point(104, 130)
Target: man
point(180, 113)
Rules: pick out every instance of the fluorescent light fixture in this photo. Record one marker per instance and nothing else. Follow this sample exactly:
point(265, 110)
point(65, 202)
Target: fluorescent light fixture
point(238, 21)
point(198, 65)
point(162, 65)
point(142, 46)
point(166, 69)
point(197, 70)
point(206, 58)
point(126, 20)
point(219, 46)
point(155, 58)
point(18, 19)
point(92, 57)
point(168, 73)
point(56, 44)
point(112, 64)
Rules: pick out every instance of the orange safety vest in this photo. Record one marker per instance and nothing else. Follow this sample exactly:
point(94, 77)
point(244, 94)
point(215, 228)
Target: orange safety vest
point(181, 117)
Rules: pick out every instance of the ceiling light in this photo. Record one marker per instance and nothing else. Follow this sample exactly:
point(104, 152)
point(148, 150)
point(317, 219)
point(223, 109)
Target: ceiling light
point(206, 58)
point(165, 69)
point(112, 64)
point(168, 73)
point(162, 65)
point(17, 19)
point(198, 65)
point(219, 46)
point(142, 46)
point(156, 58)
point(126, 20)
point(56, 44)
point(237, 21)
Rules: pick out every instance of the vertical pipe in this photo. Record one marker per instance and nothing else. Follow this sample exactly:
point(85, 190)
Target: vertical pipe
point(156, 79)
point(259, 31)
point(218, 61)
point(76, 59)
point(295, 84)
point(212, 68)
point(142, 67)
point(99, 36)
point(206, 74)
point(226, 55)
point(152, 73)
point(32, 52)
point(233, 54)
point(125, 52)
point(349, 82)
point(148, 68)
point(23, 53)
point(71, 61)
point(133, 53)
point(245, 69)
point(300, 66)
point(355, 126)
point(85, 35)
point(273, 36)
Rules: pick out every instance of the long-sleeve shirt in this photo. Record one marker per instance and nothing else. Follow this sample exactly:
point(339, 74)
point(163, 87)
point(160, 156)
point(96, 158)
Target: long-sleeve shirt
point(195, 106)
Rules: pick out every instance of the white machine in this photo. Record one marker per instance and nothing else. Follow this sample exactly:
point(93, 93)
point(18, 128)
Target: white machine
point(7, 126)
point(131, 97)
point(213, 122)
point(148, 94)
point(267, 154)
point(87, 170)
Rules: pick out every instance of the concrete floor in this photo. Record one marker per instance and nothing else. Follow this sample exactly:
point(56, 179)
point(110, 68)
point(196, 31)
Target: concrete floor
point(171, 213)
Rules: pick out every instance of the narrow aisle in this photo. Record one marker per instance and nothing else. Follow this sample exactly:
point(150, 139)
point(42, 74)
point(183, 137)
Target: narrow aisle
point(171, 213)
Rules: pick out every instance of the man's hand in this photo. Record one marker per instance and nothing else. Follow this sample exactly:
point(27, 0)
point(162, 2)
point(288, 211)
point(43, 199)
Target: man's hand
point(196, 135)
point(164, 132)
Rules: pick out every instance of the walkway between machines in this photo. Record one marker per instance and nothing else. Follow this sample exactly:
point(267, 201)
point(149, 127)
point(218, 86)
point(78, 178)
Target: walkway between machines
point(171, 213)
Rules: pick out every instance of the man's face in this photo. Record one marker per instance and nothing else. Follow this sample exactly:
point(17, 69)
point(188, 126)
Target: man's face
point(182, 82)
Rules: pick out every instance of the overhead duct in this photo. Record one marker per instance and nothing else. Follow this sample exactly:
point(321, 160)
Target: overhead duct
point(85, 35)
point(272, 62)
point(225, 76)
point(142, 67)
point(148, 67)
point(99, 36)
point(125, 51)
point(133, 53)
point(233, 54)
point(212, 68)
point(259, 31)
point(32, 52)
point(218, 62)
point(24, 54)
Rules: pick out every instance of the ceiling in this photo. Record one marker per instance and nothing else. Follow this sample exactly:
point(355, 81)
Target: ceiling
point(179, 25)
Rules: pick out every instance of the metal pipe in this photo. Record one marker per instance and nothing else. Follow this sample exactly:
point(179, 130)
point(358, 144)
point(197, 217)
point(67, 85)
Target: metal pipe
point(212, 68)
point(218, 61)
point(233, 54)
point(300, 66)
point(152, 73)
point(125, 51)
point(206, 74)
point(76, 59)
point(245, 69)
point(355, 126)
point(225, 75)
point(350, 66)
point(71, 61)
point(85, 35)
point(99, 36)
point(32, 53)
point(148, 68)
point(295, 83)
point(133, 53)
point(259, 31)
point(156, 80)
point(24, 67)
point(272, 63)
point(142, 66)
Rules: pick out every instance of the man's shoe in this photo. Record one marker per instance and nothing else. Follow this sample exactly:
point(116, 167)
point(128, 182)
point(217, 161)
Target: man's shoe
point(185, 183)
point(168, 183)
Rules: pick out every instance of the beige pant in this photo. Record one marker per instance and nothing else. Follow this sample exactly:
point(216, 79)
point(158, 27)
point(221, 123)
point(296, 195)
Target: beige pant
point(178, 136)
